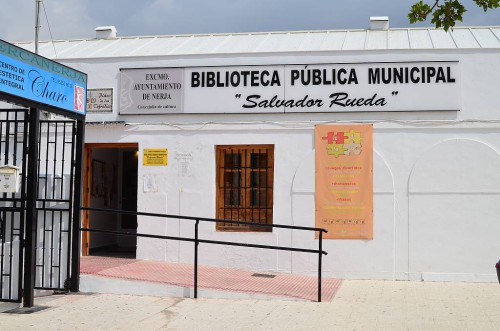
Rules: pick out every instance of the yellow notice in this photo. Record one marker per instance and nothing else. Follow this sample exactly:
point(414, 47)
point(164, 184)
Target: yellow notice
point(155, 156)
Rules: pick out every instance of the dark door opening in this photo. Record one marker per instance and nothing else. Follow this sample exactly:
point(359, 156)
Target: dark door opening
point(129, 191)
point(111, 183)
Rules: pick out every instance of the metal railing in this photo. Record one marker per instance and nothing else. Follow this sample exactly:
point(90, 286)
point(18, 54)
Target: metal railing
point(196, 240)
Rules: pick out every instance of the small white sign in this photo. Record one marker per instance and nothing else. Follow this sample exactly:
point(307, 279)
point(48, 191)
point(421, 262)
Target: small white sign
point(184, 160)
point(100, 100)
point(9, 179)
point(150, 183)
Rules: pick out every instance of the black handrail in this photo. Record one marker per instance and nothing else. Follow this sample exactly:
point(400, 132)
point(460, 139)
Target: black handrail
point(197, 240)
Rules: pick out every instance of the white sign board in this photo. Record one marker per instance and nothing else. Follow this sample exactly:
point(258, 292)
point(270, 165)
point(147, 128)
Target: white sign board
point(351, 87)
point(100, 100)
point(151, 91)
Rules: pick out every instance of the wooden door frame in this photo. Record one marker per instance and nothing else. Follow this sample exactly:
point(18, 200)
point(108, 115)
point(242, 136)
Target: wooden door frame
point(87, 184)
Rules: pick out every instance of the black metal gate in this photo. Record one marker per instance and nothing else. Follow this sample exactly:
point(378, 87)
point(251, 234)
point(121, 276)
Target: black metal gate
point(56, 168)
point(55, 203)
point(13, 146)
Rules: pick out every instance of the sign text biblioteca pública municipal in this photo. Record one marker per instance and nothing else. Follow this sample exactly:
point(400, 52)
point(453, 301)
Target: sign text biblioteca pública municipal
point(316, 77)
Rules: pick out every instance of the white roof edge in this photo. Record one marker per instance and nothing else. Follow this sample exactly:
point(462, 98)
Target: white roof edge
point(287, 42)
point(252, 33)
point(283, 52)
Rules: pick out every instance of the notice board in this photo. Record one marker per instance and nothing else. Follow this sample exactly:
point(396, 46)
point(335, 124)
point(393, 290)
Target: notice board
point(155, 156)
point(344, 180)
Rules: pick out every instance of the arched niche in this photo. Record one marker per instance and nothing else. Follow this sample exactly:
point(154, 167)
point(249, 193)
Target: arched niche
point(347, 258)
point(454, 203)
point(457, 166)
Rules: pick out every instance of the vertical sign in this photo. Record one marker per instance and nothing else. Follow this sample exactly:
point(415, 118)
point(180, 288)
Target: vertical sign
point(344, 180)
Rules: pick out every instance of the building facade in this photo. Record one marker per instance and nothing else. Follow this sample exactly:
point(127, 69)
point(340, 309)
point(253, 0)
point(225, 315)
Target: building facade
point(198, 124)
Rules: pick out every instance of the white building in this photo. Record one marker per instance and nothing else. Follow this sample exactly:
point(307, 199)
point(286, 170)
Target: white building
point(436, 161)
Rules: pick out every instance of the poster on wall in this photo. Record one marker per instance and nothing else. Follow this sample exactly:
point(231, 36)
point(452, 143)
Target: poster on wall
point(344, 180)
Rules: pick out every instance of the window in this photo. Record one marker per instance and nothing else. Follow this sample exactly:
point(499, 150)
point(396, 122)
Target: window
point(245, 186)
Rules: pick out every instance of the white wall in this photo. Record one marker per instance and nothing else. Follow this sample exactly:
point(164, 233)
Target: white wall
point(436, 181)
point(453, 206)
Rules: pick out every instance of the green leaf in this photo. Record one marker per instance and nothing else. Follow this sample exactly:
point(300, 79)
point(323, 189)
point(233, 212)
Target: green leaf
point(445, 13)
point(419, 12)
point(487, 4)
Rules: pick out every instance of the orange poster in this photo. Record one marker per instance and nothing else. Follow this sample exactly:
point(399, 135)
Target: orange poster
point(344, 180)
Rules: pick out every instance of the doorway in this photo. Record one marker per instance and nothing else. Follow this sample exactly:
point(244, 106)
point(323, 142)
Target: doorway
point(110, 180)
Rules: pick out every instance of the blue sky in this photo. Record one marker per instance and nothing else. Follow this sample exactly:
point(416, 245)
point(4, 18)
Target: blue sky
point(78, 18)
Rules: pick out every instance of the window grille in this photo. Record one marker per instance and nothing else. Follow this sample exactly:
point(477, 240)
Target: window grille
point(245, 186)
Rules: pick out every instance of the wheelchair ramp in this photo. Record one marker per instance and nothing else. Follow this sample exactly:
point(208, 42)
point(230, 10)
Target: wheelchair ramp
point(129, 276)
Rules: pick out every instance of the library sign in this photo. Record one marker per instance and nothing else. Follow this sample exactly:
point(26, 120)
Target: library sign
point(394, 86)
point(39, 80)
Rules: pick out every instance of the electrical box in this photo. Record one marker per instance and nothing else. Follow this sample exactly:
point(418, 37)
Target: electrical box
point(9, 179)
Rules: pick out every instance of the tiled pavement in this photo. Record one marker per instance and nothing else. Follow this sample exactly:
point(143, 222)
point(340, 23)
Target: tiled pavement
point(230, 280)
point(358, 305)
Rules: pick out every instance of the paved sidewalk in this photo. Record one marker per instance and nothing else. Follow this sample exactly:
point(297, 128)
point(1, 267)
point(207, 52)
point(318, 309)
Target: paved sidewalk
point(358, 305)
